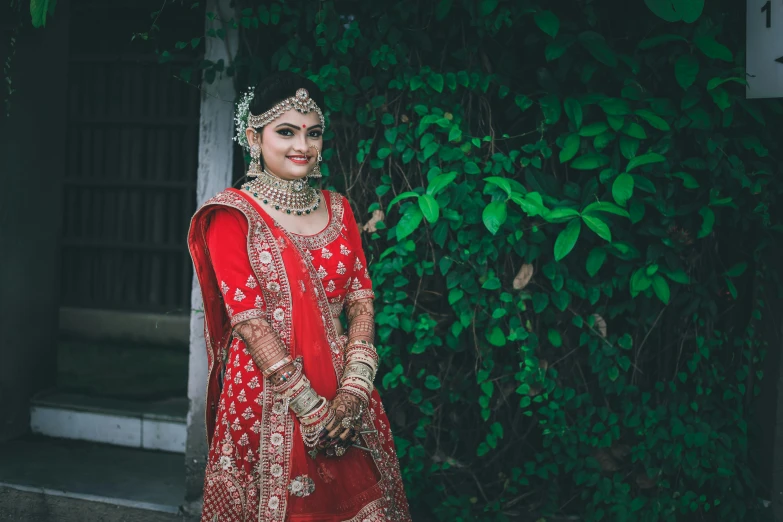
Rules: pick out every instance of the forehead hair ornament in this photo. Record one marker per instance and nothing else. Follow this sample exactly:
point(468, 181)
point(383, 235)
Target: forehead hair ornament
point(244, 119)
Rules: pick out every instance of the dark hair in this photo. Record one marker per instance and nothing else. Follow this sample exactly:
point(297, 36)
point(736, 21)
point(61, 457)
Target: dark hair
point(281, 85)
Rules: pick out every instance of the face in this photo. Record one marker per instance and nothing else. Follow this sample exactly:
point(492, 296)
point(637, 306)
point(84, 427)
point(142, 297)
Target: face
point(287, 144)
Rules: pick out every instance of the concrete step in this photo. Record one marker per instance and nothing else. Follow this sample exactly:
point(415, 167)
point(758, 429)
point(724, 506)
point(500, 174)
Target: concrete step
point(152, 425)
point(45, 479)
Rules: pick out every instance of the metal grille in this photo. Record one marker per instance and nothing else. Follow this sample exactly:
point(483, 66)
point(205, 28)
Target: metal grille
point(130, 184)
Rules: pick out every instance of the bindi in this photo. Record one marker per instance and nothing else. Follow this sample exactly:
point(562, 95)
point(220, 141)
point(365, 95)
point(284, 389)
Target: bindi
point(304, 126)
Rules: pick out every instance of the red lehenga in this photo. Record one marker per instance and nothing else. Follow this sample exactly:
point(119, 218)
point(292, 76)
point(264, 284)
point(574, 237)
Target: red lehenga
point(248, 266)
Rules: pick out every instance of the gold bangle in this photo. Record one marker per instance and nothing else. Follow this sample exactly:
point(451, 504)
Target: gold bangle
point(279, 364)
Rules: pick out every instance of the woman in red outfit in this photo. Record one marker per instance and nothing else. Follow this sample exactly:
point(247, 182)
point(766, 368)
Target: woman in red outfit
point(296, 431)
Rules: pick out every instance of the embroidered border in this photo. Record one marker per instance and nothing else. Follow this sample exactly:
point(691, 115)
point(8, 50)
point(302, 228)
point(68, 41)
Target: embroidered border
point(373, 512)
point(393, 504)
point(253, 313)
point(359, 294)
point(274, 466)
point(327, 235)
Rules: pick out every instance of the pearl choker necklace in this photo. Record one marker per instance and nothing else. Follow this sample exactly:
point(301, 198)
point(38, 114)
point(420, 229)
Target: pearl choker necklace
point(294, 197)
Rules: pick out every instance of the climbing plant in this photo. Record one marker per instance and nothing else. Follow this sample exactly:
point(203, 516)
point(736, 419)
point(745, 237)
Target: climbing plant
point(569, 213)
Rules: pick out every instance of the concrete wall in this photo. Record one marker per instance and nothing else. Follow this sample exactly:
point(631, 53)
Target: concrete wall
point(32, 163)
point(215, 160)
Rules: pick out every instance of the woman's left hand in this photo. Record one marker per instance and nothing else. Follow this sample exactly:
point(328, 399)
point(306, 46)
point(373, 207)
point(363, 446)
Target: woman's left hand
point(345, 406)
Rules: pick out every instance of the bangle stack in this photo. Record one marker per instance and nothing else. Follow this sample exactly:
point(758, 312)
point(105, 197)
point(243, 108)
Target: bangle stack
point(311, 409)
point(268, 372)
point(359, 374)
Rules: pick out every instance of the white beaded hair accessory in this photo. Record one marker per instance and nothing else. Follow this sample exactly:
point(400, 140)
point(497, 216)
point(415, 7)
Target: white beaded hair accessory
point(245, 120)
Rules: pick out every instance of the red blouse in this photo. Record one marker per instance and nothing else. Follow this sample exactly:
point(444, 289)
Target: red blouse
point(336, 252)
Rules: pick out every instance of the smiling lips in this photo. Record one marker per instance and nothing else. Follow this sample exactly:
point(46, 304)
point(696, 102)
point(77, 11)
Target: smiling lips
point(299, 160)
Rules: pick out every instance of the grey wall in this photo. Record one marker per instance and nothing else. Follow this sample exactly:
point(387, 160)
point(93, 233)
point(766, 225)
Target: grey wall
point(215, 160)
point(32, 163)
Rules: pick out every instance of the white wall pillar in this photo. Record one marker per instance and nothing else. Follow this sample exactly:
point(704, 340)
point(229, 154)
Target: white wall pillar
point(215, 161)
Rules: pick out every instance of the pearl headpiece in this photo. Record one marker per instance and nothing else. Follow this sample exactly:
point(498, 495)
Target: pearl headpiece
point(244, 120)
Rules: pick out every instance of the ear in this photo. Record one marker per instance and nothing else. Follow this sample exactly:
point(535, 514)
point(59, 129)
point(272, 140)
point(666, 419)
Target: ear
point(253, 136)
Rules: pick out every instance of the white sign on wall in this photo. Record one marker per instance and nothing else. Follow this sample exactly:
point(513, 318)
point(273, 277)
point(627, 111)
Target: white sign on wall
point(764, 49)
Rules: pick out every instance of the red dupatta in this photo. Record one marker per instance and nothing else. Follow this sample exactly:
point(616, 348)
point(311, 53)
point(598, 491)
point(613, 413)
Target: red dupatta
point(299, 312)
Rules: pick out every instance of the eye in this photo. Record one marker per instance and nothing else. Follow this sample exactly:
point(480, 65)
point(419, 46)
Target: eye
point(285, 132)
point(315, 134)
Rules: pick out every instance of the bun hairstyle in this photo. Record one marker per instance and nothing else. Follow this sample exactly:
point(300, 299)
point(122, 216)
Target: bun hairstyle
point(281, 85)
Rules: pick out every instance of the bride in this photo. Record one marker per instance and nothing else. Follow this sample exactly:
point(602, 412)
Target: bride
point(296, 430)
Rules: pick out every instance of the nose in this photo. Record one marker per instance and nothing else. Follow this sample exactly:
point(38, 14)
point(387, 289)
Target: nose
point(301, 143)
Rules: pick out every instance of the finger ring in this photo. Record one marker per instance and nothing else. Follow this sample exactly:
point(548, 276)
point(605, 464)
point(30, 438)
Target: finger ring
point(339, 451)
point(347, 422)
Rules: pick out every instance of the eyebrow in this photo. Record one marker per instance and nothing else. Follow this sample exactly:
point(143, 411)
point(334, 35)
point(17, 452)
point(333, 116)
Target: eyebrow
point(291, 125)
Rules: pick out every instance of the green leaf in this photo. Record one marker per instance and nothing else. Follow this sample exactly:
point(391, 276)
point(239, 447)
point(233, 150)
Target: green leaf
point(717, 81)
point(639, 282)
point(737, 270)
point(712, 49)
point(573, 110)
point(471, 168)
point(686, 69)
point(548, 22)
point(455, 295)
point(594, 129)
point(561, 215)
point(436, 82)
point(708, 221)
point(664, 9)
point(661, 288)
point(432, 382)
point(589, 162)
point(605, 206)
point(494, 216)
point(409, 222)
point(690, 10)
point(678, 276)
point(38, 12)
point(532, 204)
point(597, 47)
point(555, 338)
point(655, 121)
point(688, 181)
point(429, 207)
point(731, 287)
point(637, 503)
point(496, 337)
point(629, 146)
point(599, 227)
point(644, 159)
point(440, 182)
point(567, 239)
point(400, 197)
point(615, 106)
point(622, 188)
point(613, 373)
point(570, 147)
point(634, 130)
point(503, 183)
point(595, 260)
point(523, 102)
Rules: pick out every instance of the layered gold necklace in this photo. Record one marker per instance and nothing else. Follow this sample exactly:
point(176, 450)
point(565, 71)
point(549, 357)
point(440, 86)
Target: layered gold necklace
point(294, 197)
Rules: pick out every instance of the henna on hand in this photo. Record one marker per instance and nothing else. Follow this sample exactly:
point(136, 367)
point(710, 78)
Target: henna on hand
point(361, 320)
point(343, 405)
point(262, 342)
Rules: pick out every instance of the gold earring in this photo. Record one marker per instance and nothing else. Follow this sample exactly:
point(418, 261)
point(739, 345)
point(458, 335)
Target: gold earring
point(316, 172)
point(255, 164)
